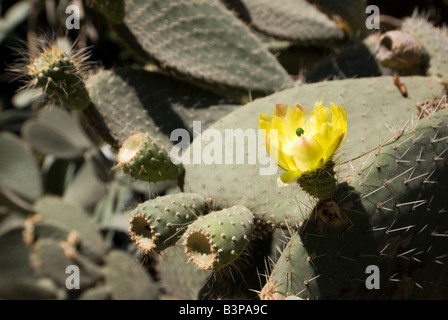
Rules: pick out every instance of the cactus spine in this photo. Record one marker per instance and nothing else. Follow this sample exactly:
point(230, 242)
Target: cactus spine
point(59, 69)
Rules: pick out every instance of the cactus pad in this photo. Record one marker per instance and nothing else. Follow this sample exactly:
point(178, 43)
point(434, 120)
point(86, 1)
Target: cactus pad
point(191, 39)
point(145, 159)
point(159, 223)
point(217, 239)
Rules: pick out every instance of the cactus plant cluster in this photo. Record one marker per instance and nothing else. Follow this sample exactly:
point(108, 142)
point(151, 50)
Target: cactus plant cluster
point(88, 181)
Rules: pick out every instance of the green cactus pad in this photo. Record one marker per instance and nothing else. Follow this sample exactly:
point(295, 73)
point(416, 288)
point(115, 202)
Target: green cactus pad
point(96, 293)
point(51, 259)
point(434, 40)
point(54, 132)
point(159, 223)
point(218, 238)
point(294, 20)
point(122, 271)
point(27, 288)
point(243, 278)
point(191, 39)
point(88, 186)
point(56, 218)
point(14, 253)
point(127, 101)
point(21, 181)
point(143, 158)
point(180, 280)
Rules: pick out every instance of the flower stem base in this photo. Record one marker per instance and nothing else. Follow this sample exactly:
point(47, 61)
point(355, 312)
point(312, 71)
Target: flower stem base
point(320, 183)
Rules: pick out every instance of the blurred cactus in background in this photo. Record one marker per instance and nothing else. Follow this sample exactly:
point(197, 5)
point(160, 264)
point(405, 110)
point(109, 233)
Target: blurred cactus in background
point(111, 162)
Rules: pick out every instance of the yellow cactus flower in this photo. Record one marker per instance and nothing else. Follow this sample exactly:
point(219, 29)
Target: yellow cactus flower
point(305, 139)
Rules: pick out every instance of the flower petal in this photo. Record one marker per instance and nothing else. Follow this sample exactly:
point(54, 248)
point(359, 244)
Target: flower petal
point(292, 118)
point(276, 151)
point(319, 116)
point(324, 130)
point(264, 121)
point(333, 147)
point(288, 177)
point(326, 137)
point(280, 110)
point(302, 118)
point(339, 119)
point(308, 154)
point(272, 143)
point(267, 123)
point(296, 116)
point(281, 125)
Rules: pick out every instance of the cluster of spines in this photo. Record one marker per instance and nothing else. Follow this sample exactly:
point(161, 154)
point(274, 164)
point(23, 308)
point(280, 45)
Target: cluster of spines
point(59, 69)
point(159, 223)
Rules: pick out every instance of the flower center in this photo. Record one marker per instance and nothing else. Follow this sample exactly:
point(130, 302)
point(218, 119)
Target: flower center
point(299, 131)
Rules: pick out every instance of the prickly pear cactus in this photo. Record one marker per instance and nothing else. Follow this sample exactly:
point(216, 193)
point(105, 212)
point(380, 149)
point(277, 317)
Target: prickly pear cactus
point(192, 38)
point(296, 21)
point(390, 215)
point(159, 223)
point(145, 175)
point(59, 70)
point(217, 239)
point(339, 218)
point(143, 158)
